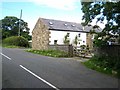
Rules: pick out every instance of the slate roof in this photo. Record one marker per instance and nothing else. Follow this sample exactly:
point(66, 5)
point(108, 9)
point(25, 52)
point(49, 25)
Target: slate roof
point(66, 26)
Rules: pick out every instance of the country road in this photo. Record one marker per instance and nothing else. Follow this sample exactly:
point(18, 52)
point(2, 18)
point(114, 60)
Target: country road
point(21, 69)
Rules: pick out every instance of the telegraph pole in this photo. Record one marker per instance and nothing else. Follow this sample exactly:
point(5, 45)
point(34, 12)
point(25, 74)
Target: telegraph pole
point(20, 23)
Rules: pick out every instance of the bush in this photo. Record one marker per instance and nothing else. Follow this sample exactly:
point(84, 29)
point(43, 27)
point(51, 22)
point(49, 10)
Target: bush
point(17, 41)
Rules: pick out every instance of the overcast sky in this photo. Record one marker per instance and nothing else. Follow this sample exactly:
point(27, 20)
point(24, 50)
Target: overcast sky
point(67, 10)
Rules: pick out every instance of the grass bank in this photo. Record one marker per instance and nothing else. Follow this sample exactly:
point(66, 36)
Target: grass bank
point(9, 46)
point(94, 65)
point(51, 53)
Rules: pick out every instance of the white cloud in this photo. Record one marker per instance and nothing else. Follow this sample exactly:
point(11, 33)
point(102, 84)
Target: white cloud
point(14, 1)
point(58, 4)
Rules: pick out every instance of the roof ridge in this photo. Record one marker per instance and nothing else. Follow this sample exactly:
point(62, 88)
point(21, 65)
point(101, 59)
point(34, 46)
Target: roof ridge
point(61, 20)
point(65, 25)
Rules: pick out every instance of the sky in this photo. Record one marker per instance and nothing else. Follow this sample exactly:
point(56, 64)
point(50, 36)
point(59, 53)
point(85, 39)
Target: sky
point(32, 10)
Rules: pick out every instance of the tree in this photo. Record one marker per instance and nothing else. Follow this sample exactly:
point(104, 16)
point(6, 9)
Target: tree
point(10, 27)
point(109, 11)
point(76, 40)
point(66, 40)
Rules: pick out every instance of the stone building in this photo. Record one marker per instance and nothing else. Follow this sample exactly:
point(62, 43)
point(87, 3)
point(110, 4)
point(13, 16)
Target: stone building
point(49, 32)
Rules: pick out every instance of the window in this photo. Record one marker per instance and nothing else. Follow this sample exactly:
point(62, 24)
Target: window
point(55, 41)
point(83, 41)
point(73, 25)
point(79, 35)
point(50, 23)
point(65, 24)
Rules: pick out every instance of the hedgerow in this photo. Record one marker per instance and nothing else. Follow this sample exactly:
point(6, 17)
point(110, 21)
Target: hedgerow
point(17, 41)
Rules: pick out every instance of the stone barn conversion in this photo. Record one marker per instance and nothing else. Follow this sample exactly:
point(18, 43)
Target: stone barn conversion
point(52, 32)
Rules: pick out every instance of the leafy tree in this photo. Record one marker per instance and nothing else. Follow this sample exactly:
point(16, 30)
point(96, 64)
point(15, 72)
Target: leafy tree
point(110, 12)
point(66, 40)
point(100, 10)
point(76, 40)
point(10, 27)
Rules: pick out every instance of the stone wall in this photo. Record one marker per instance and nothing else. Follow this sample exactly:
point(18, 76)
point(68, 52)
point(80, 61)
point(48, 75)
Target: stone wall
point(40, 36)
point(89, 40)
point(65, 48)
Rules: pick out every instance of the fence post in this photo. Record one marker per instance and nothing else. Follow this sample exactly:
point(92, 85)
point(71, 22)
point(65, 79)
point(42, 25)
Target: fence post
point(70, 50)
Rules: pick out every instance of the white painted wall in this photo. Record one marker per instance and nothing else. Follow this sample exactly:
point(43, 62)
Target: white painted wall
point(59, 36)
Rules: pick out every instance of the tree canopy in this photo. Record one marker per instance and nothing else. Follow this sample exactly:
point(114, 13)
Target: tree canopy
point(103, 11)
point(10, 27)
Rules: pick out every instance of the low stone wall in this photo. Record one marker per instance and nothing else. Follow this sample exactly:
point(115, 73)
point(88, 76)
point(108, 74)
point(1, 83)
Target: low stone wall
point(65, 48)
point(111, 50)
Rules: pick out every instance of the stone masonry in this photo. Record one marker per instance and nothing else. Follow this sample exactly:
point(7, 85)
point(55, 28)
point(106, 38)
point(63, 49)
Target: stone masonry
point(89, 40)
point(40, 36)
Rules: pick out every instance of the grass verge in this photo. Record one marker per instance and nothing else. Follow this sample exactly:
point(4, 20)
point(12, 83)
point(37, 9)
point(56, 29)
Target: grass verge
point(106, 70)
point(11, 46)
point(52, 53)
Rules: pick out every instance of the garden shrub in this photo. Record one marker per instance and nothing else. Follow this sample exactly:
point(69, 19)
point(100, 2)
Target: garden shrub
point(17, 41)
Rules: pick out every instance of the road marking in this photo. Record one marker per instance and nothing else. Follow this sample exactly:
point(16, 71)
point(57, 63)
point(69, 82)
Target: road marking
point(5, 56)
point(39, 77)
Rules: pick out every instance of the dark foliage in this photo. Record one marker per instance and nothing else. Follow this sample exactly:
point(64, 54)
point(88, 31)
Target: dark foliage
point(100, 10)
point(10, 27)
point(17, 41)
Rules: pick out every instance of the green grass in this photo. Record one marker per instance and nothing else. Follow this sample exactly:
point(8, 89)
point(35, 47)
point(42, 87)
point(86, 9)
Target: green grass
point(10, 46)
point(106, 70)
point(52, 53)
